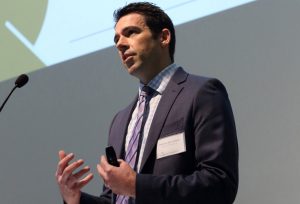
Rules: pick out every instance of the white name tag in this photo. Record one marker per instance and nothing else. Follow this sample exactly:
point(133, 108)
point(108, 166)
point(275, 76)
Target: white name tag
point(171, 145)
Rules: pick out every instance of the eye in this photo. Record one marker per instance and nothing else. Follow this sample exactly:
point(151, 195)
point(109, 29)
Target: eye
point(130, 32)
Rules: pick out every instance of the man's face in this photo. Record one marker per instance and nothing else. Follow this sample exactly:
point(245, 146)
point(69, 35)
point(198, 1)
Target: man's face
point(138, 49)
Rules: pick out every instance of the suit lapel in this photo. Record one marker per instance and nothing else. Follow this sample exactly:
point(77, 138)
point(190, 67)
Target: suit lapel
point(166, 102)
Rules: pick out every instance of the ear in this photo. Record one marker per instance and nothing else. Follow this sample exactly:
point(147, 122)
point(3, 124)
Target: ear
point(165, 37)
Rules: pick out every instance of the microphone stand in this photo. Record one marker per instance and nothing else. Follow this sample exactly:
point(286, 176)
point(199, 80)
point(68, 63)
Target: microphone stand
point(8, 97)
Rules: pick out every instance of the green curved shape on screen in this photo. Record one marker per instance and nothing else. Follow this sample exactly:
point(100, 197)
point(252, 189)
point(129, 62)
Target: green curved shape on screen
point(28, 16)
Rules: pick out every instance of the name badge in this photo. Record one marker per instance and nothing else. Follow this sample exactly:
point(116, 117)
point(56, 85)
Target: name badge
point(171, 145)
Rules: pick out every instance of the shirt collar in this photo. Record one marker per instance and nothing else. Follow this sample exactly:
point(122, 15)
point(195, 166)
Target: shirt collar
point(161, 80)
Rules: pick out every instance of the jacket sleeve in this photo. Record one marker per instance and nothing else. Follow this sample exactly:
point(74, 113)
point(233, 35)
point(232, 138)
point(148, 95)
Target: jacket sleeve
point(104, 198)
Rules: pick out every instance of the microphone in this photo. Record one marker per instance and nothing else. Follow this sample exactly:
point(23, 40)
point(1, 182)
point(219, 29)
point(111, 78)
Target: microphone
point(20, 82)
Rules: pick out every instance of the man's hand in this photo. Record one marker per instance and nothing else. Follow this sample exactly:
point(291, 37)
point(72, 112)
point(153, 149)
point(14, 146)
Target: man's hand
point(69, 182)
point(121, 180)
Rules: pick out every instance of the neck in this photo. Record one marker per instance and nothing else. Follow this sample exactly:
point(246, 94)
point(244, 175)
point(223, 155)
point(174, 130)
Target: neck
point(155, 70)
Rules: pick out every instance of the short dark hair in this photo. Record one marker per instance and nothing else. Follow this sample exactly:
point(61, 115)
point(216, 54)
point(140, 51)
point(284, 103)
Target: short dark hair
point(156, 19)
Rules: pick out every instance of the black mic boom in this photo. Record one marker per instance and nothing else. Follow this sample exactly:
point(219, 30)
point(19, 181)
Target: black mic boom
point(20, 81)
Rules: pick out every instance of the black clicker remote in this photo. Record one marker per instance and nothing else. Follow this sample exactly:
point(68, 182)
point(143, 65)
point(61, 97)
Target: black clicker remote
point(111, 156)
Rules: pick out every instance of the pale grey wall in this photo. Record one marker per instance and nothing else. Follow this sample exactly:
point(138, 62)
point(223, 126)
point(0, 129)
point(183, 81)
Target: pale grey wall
point(254, 49)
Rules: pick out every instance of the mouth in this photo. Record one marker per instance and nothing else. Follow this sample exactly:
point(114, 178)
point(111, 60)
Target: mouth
point(126, 57)
point(128, 60)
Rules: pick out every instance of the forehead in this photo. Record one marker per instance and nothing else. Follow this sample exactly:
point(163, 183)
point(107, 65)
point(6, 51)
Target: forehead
point(130, 20)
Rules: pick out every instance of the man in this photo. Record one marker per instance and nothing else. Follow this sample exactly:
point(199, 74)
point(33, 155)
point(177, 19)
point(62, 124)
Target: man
point(184, 148)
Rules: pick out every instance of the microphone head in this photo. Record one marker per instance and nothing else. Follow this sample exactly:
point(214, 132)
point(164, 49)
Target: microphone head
point(21, 80)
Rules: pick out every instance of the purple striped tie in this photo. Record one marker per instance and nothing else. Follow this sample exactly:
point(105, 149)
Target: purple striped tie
point(131, 154)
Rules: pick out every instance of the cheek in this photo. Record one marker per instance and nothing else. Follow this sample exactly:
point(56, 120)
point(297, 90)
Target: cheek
point(143, 44)
point(147, 49)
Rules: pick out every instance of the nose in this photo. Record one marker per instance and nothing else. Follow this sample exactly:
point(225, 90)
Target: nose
point(122, 44)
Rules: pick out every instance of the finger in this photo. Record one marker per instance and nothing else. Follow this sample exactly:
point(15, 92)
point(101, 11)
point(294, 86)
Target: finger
point(70, 169)
point(62, 164)
point(61, 154)
point(102, 173)
point(121, 162)
point(85, 180)
point(82, 172)
point(102, 159)
point(124, 164)
point(104, 164)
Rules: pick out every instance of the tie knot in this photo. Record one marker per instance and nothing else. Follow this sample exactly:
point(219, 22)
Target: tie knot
point(147, 91)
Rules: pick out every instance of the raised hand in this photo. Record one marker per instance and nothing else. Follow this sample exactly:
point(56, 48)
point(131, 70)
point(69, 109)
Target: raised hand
point(69, 182)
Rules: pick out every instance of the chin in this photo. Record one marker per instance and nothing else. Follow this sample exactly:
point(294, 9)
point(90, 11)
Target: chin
point(135, 73)
point(132, 69)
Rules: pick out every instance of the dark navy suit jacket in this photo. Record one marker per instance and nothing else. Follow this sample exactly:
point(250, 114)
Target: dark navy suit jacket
point(207, 172)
